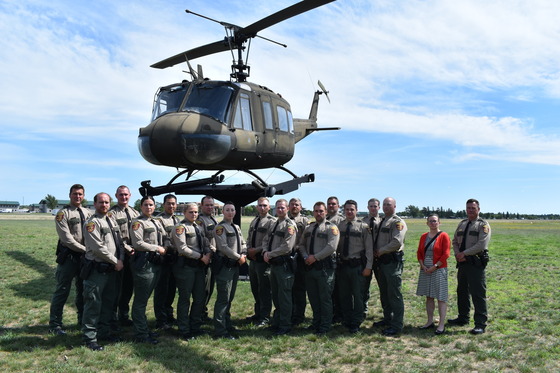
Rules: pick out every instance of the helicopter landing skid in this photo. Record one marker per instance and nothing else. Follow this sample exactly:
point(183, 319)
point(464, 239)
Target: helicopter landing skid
point(240, 194)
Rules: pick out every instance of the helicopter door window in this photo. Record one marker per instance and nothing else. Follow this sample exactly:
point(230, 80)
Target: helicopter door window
point(267, 112)
point(243, 114)
point(283, 122)
point(290, 122)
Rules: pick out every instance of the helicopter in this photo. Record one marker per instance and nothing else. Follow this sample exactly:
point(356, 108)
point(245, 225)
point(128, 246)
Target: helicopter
point(201, 124)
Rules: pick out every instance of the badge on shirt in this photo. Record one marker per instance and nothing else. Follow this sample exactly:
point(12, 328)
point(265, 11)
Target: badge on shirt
point(219, 230)
point(179, 230)
point(291, 230)
point(136, 225)
point(59, 215)
point(90, 227)
point(334, 230)
point(400, 226)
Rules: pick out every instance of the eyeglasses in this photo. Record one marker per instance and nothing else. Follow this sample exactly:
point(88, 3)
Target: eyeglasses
point(433, 221)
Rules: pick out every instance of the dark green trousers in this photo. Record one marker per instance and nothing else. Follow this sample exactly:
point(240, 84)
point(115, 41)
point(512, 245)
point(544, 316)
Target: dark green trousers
point(390, 283)
point(351, 285)
point(281, 283)
point(471, 283)
point(145, 280)
point(190, 283)
point(319, 284)
point(100, 294)
point(65, 274)
point(260, 287)
point(226, 284)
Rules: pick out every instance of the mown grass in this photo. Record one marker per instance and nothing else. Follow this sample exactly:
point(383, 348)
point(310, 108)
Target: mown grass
point(523, 334)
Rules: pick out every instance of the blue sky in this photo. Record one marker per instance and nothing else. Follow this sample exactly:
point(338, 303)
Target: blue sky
point(438, 101)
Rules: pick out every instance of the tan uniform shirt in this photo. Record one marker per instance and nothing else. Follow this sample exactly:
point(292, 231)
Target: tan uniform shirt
point(121, 218)
point(207, 223)
point(98, 237)
point(168, 223)
point(186, 243)
point(229, 240)
point(69, 227)
point(478, 237)
point(360, 241)
point(259, 232)
point(281, 240)
point(147, 234)
point(325, 242)
point(390, 239)
point(301, 222)
point(336, 219)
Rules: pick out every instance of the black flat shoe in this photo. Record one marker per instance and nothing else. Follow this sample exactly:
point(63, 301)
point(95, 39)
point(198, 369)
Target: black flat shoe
point(426, 326)
point(439, 332)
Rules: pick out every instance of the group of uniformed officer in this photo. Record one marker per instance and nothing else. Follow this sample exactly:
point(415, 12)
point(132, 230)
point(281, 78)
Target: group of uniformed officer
point(330, 261)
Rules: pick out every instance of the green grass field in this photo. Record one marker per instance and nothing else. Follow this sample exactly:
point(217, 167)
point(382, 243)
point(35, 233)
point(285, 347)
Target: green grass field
point(523, 333)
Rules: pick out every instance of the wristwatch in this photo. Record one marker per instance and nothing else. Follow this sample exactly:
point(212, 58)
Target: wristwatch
point(436, 265)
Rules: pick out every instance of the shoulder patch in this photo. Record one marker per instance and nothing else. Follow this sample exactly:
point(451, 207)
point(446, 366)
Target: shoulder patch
point(90, 227)
point(110, 213)
point(198, 222)
point(59, 215)
point(334, 230)
point(291, 230)
point(486, 228)
point(136, 225)
point(399, 226)
point(179, 230)
point(219, 230)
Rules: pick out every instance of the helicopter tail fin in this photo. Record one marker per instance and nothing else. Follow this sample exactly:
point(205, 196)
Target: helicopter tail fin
point(304, 127)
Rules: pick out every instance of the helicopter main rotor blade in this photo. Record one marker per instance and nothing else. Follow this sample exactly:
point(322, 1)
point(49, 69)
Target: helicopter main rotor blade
point(289, 12)
point(216, 47)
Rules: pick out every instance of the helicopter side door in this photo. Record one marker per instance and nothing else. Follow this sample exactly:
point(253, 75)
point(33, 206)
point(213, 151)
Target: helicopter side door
point(242, 126)
point(269, 137)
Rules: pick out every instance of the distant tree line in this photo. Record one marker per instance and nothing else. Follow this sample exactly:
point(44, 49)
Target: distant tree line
point(417, 212)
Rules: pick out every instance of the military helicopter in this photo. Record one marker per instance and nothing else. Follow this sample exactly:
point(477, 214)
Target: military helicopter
point(203, 124)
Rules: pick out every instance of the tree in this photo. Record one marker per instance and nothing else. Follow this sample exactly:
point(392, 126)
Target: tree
point(51, 201)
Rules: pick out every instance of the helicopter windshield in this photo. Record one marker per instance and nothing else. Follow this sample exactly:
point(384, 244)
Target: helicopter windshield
point(210, 99)
point(168, 100)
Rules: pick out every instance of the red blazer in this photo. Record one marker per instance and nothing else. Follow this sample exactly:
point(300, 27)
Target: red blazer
point(442, 247)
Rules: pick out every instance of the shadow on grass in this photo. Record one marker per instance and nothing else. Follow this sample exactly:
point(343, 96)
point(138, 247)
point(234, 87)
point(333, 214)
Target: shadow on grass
point(35, 289)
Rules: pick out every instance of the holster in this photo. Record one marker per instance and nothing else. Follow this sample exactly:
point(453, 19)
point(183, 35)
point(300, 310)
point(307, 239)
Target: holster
point(86, 268)
point(140, 259)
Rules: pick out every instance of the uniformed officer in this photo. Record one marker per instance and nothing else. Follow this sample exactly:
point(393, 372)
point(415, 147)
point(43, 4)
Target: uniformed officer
point(335, 217)
point(470, 244)
point(69, 225)
point(355, 254)
point(147, 240)
point(298, 291)
point(389, 253)
point(277, 248)
point(190, 271)
point(164, 293)
point(259, 270)
point(317, 247)
point(124, 214)
point(207, 223)
point(333, 214)
point(372, 220)
point(231, 253)
point(104, 258)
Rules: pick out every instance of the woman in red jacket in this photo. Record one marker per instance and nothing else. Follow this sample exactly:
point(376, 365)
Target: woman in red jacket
point(432, 254)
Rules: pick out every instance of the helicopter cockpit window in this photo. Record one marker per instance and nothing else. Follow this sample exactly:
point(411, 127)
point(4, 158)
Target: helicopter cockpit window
point(267, 112)
point(210, 99)
point(285, 121)
point(169, 100)
point(243, 113)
